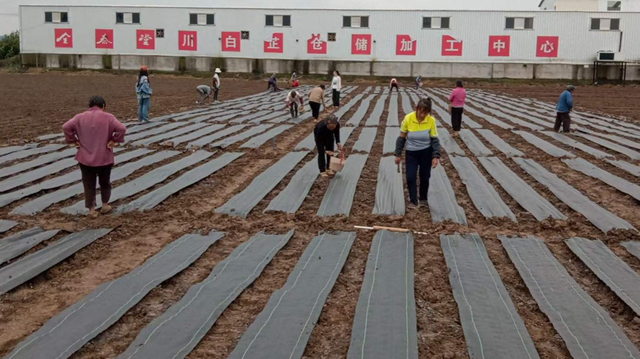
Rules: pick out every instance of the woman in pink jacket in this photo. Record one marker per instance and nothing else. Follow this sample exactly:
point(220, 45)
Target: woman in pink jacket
point(95, 132)
point(456, 106)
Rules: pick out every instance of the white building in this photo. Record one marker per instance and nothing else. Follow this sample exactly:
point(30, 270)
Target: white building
point(481, 44)
point(590, 5)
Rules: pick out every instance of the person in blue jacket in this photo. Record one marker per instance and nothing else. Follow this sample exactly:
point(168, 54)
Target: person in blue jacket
point(563, 109)
point(144, 92)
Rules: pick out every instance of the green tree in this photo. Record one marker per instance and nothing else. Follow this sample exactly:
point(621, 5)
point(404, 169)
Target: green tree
point(10, 46)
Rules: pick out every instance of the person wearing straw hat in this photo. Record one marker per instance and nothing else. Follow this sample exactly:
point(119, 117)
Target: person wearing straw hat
point(216, 85)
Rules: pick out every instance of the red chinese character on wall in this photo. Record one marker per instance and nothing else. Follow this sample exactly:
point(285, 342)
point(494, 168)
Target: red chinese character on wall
point(231, 41)
point(405, 45)
point(188, 40)
point(104, 39)
point(64, 38)
point(361, 44)
point(315, 45)
point(274, 43)
point(500, 46)
point(146, 39)
point(548, 46)
point(451, 46)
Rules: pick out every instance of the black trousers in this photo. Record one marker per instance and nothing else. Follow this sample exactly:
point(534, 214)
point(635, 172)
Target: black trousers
point(294, 109)
point(315, 109)
point(324, 159)
point(394, 86)
point(215, 93)
point(456, 118)
point(419, 162)
point(336, 98)
point(89, 175)
point(564, 119)
point(274, 86)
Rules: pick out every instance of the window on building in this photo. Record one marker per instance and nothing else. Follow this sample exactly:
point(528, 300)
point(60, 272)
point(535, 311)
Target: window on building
point(614, 5)
point(278, 20)
point(201, 19)
point(160, 33)
point(355, 21)
point(331, 36)
point(244, 35)
point(605, 24)
point(435, 22)
point(519, 23)
point(56, 17)
point(127, 18)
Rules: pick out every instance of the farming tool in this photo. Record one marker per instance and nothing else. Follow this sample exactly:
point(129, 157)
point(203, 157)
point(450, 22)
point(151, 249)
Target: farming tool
point(390, 229)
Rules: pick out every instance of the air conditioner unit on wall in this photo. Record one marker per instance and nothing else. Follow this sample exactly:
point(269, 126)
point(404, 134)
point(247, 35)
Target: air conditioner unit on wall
point(610, 56)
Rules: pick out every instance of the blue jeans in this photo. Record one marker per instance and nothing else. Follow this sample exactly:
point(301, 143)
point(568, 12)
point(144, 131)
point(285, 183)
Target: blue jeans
point(143, 109)
point(419, 161)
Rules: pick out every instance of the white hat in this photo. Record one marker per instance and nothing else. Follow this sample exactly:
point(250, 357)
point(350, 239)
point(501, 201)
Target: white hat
point(218, 71)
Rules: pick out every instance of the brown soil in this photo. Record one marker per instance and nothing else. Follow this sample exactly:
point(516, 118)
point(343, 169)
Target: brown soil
point(139, 236)
point(37, 104)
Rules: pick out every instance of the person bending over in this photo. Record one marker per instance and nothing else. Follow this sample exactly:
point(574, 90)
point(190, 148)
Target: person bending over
point(205, 92)
point(326, 132)
point(394, 84)
point(316, 98)
point(293, 101)
point(273, 84)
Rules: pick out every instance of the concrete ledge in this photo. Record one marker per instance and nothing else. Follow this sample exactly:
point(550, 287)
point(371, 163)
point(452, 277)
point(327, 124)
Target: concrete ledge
point(478, 71)
point(513, 71)
point(320, 67)
point(553, 72)
point(398, 69)
point(433, 70)
point(548, 71)
point(353, 68)
point(238, 65)
point(278, 66)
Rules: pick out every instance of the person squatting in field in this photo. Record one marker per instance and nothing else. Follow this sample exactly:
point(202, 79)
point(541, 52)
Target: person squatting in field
point(273, 84)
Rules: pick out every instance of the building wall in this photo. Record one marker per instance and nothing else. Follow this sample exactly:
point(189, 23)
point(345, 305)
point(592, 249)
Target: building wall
point(579, 5)
point(587, 5)
point(627, 5)
point(577, 44)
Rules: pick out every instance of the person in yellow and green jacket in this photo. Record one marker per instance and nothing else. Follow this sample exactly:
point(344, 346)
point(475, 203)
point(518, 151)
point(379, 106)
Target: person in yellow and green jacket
point(419, 135)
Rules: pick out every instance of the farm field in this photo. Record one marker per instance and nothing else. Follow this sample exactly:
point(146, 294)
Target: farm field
point(225, 242)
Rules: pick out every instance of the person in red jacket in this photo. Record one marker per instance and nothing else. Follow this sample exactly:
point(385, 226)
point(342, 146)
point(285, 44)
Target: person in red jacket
point(95, 133)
